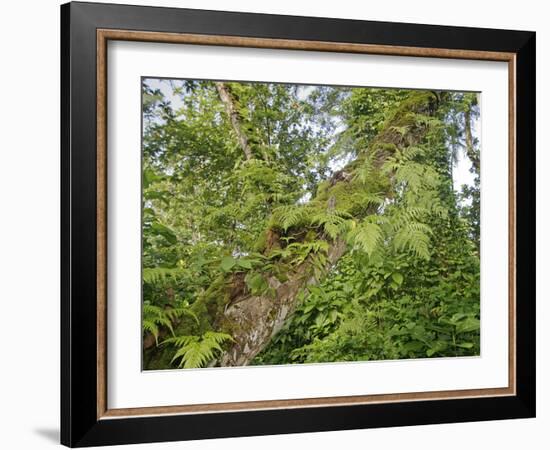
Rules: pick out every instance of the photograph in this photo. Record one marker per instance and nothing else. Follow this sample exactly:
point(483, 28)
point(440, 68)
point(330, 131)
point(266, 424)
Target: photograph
point(298, 224)
point(275, 223)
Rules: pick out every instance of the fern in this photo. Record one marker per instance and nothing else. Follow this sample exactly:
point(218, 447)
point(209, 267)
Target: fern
point(175, 313)
point(153, 317)
point(301, 250)
point(194, 351)
point(365, 171)
point(411, 174)
point(414, 236)
point(334, 222)
point(428, 121)
point(290, 216)
point(412, 152)
point(406, 216)
point(158, 274)
point(366, 199)
point(367, 237)
point(402, 130)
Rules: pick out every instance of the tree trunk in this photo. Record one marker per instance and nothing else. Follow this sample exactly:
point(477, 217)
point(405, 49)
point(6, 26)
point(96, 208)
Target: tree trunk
point(256, 319)
point(253, 320)
point(234, 117)
point(469, 141)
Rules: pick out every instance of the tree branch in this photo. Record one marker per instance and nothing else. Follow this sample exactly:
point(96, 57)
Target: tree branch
point(470, 149)
point(234, 117)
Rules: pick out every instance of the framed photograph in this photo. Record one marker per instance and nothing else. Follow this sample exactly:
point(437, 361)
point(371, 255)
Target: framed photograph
point(277, 224)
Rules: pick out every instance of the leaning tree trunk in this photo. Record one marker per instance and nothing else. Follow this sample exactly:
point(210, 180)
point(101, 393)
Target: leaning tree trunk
point(234, 117)
point(253, 320)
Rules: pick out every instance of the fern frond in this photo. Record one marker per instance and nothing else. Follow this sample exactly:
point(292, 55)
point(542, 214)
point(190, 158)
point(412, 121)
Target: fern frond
point(333, 222)
point(428, 121)
point(365, 170)
point(412, 152)
point(151, 310)
point(367, 237)
point(197, 352)
point(179, 341)
point(151, 327)
point(403, 217)
point(391, 165)
point(301, 250)
point(197, 355)
point(217, 337)
point(153, 317)
point(153, 275)
point(176, 313)
point(414, 237)
point(367, 199)
point(290, 215)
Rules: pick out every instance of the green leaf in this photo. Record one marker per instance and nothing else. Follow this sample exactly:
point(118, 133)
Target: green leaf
point(228, 262)
point(465, 345)
point(468, 325)
point(413, 346)
point(149, 177)
point(397, 277)
point(245, 263)
point(436, 347)
point(156, 195)
point(164, 231)
point(457, 317)
point(256, 283)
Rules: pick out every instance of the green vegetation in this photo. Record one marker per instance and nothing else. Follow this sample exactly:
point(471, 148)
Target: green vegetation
point(298, 224)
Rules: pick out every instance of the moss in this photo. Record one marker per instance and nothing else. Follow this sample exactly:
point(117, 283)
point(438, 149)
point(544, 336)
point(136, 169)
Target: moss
point(388, 147)
point(417, 101)
point(158, 358)
point(261, 242)
point(322, 189)
point(310, 236)
point(280, 271)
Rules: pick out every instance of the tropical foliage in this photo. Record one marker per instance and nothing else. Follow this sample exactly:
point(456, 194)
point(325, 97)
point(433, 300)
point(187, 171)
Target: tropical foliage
point(300, 224)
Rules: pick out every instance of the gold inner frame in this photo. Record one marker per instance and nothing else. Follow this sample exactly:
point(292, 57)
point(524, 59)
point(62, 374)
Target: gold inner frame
point(104, 35)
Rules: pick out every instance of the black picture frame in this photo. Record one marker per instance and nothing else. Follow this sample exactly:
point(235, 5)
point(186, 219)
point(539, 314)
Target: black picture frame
point(80, 425)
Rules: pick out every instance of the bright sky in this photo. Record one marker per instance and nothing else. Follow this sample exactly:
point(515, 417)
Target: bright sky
point(461, 170)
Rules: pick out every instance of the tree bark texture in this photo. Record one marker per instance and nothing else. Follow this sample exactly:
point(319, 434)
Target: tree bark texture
point(234, 117)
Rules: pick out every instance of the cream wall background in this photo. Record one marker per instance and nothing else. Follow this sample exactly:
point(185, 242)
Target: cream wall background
point(29, 224)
